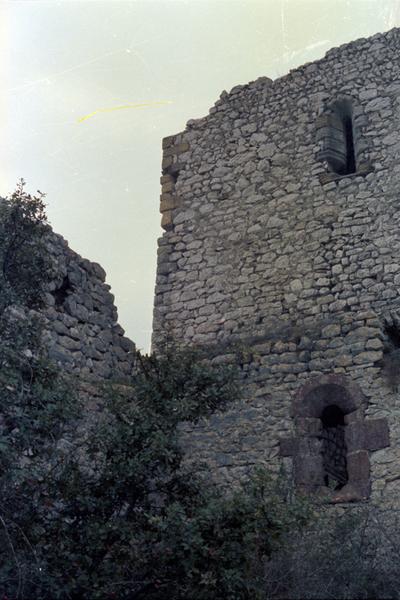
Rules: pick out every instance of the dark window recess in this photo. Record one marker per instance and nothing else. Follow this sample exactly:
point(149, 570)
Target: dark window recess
point(334, 448)
point(391, 353)
point(393, 333)
point(60, 294)
point(336, 136)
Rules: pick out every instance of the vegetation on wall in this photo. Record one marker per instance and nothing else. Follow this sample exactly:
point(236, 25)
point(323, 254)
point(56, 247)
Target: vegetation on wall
point(115, 513)
point(35, 402)
point(24, 266)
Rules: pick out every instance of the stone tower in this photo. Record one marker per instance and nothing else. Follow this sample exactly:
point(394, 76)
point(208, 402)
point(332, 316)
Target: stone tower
point(281, 252)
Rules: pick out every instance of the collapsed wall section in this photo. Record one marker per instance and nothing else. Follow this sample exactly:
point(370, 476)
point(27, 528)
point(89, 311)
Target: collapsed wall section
point(274, 253)
point(81, 320)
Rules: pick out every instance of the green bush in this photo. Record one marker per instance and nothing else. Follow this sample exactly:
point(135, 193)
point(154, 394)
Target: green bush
point(24, 263)
point(35, 402)
point(126, 518)
point(130, 520)
point(116, 512)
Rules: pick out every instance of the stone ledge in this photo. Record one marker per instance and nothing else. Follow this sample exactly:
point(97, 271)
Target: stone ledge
point(363, 170)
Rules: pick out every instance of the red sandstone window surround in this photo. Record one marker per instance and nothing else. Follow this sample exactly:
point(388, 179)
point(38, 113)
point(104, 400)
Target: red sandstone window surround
point(333, 439)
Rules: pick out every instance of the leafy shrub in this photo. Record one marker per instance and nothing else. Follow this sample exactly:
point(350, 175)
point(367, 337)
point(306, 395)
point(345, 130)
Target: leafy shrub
point(115, 513)
point(130, 520)
point(216, 547)
point(35, 402)
point(24, 263)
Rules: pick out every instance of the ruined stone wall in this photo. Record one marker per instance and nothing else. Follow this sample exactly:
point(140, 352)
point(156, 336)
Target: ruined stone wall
point(83, 333)
point(269, 253)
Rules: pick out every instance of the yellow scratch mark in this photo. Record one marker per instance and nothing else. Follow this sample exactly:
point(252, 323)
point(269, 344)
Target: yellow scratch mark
point(142, 105)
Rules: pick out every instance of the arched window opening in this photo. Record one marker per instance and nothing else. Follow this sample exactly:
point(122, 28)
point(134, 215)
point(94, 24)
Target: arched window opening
point(332, 441)
point(334, 450)
point(336, 136)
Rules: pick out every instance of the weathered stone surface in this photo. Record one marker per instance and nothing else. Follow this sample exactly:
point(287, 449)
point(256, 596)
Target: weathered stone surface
point(358, 465)
point(80, 318)
point(377, 434)
point(308, 470)
point(298, 265)
point(287, 446)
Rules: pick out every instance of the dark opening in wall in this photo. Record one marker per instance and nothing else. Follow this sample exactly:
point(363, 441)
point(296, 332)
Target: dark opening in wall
point(175, 175)
point(351, 159)
point(334, 449)
point(391, 354)
point(393, 333)
point(336, 136)
point(61, 294)
point(332, 439)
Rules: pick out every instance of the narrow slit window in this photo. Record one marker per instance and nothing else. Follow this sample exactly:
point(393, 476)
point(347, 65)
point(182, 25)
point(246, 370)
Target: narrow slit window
point(336, 137)
point(334, 448)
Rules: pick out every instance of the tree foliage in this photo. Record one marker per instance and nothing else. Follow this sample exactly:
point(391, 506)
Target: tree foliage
point(24, 265)
point(115, 512)
point(127, 518)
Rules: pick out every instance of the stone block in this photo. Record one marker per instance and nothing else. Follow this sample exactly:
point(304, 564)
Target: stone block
point(168, 202)
point(166, 179)
point(354, 416)
point(166, 220)
point(355, 436)
point(181, 148)
point(69, 343)
point(308, 426)
point(372, 356)
point(308, 470)
point(358, 466)
point(377, 434)
point(166, 162)
point(169, 186)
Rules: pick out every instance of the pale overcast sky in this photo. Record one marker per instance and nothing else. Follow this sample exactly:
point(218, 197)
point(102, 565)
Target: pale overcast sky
point(65, 60)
